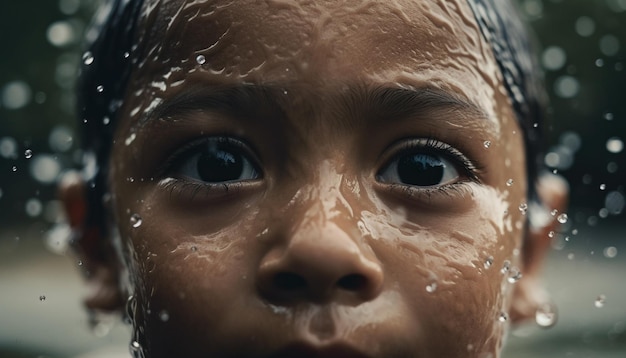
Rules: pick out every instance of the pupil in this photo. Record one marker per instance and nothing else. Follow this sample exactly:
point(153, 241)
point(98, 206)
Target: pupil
point(420, 170)
point(219, 165)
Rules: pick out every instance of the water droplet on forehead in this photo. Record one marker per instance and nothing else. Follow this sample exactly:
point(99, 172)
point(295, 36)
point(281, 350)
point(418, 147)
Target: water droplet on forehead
point(488, 262)
point(135, 220)
point(88, 58)
point(562, 218)
point(487, 144)
point(600, 301)
point(200, 59)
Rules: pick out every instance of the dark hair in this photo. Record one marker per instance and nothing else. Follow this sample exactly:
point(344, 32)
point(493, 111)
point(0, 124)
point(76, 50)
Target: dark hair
point(111, 55)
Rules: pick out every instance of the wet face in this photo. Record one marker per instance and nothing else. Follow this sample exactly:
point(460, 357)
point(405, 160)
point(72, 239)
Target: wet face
point(318, 179)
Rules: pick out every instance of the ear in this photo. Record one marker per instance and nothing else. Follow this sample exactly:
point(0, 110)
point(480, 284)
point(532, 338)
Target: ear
point(99, 261)
point(528, 294)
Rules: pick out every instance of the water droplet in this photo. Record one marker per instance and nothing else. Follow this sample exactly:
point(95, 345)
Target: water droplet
point(487, 144)
point(546, 315)
point(135, 220)
point(88, 58)
point(488, 262)
point(130, 138)
point(551, 234)
point(79, 262)
point(430, 288)
point(570, 256)
point(100, 88)
point(126, 54)
point(200, 59)
point(503, 317)
point(562, 218)
point(554, 212)
point(523, 208)
point(614, 145)
point(610, 252)
point(602, 186)
point(106, 120)
point(194, 248)
point(506, 267)
point(28, 154)
point(608, 116)
point(14, 168)
point(575, 232)
point(42, 298)
point(164, 316)
point(600, 301)
point(514, 275)
point(509, 182)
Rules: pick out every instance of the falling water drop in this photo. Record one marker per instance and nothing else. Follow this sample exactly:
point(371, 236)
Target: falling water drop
point(42, 298)
point(546, 315)
point(88, 58)
point(100, 88)
point(610, 252)
point(28, 154)
point(14, 168)
point(562, 218)
point(200, 59)
point(599, 302)
point(503, 317)
point(602, 186)
point(135, 220)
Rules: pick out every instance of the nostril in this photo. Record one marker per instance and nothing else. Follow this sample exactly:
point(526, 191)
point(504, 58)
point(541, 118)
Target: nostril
point(353, 282)
point(289, 281)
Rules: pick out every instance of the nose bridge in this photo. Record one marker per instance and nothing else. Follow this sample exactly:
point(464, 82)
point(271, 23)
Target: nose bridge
point(323, 256)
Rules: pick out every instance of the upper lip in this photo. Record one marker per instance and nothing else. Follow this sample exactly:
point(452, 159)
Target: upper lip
point(333, 350)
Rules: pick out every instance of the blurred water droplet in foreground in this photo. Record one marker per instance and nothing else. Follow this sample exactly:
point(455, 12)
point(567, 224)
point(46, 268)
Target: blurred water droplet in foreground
point(8, 148)
point(614, 202)
point(164, 316)
point(562, 218)
point(33, 207)
point(60, 139)
point(546, 315)
point(45, 168)
point(61, 33)
point(614, 145)
point(135, 220)
point(566, 87)
point(610, 252)
point(600, 301)
point(16, 95)
point(553, 58)
point(585, 26)
point(609, 45)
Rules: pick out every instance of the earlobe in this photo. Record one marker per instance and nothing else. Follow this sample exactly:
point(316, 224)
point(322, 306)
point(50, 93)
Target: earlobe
point(529, 294)
point(98, 260)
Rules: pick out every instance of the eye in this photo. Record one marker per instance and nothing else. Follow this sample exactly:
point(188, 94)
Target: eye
point(216, 160)
point(425, 163)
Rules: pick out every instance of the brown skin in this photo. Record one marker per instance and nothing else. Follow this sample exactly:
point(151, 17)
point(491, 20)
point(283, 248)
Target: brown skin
point(321, 251)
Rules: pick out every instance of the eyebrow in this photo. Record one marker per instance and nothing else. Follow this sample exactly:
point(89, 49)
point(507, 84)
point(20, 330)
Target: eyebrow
point(371, 103)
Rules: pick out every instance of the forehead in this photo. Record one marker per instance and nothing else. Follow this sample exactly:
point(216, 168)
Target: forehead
point(406, 43)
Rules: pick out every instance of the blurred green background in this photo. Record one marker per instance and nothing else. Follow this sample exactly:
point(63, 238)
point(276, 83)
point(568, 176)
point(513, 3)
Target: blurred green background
point(583, 53)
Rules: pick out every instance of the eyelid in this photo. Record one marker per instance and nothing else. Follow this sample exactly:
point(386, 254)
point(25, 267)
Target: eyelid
point(189, 147)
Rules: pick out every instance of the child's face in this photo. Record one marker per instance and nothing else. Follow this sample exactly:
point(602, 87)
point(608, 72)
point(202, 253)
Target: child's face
point(315, 178)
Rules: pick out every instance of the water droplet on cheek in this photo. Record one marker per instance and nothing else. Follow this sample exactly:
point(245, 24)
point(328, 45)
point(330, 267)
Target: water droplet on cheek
point(487, 144)
point(509, 182)
point(432, 287)
point(135, 220)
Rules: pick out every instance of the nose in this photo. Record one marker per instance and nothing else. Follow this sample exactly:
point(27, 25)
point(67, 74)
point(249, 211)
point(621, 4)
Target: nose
point(320, 262)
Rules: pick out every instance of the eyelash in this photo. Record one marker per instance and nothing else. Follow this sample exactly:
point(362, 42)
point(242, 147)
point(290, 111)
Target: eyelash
point(194, 188)
point(467, 168)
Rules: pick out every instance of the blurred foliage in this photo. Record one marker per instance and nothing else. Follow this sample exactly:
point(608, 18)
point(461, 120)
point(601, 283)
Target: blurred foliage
point(41, 52)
